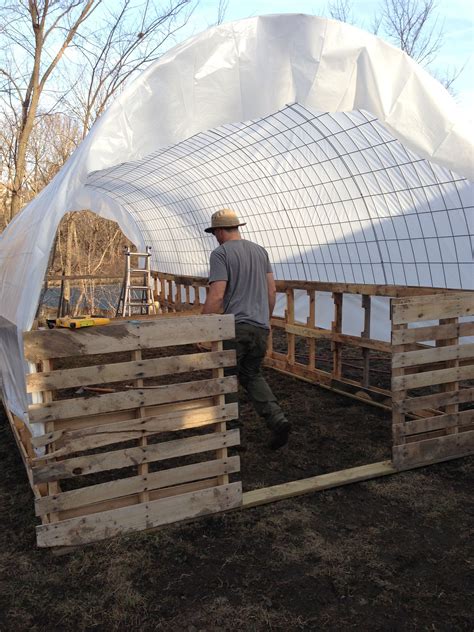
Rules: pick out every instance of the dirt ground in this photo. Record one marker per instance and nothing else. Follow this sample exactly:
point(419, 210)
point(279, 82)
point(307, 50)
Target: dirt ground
point(389, 554)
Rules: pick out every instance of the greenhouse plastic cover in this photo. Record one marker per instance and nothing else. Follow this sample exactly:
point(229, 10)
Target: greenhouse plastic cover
point(346, 160)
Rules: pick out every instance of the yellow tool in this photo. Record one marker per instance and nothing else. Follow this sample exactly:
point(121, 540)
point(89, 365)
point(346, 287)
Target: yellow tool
point(81, 321)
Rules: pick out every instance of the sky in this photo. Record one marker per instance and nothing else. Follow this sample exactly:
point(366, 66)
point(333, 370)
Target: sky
point(456, 16)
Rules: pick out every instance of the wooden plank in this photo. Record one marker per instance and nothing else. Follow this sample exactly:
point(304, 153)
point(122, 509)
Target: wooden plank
point(432, 308)
point(93, 463)
point(436, 354)
point(266, 495)
point(66, 408)
point(435, 332)
point(433, 450)
point(221, 426)
point(307, 332)
point(95, 527)
point(124, 371)
point(440, 422)
point(435, 401)
point(135, 484)
point(365, 334)
point(127, 336)
point(336, 328)
point(290, 317)
point(69, 441)
point(431, 378)
point(398, 417)
point(311, 323)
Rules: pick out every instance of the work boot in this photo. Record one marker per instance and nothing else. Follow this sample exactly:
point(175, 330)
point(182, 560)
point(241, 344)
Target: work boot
point(280, 435)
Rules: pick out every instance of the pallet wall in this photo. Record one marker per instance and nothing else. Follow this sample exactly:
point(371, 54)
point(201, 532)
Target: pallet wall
point(124, 449)
point(432, 378)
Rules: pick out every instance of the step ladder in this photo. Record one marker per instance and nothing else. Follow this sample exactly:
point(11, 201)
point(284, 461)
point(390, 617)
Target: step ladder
point(136, 298)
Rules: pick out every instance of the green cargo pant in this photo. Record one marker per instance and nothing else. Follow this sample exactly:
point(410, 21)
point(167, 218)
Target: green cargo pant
point(250, 344)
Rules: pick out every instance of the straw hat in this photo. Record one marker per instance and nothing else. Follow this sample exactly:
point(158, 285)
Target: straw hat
point(225, 218)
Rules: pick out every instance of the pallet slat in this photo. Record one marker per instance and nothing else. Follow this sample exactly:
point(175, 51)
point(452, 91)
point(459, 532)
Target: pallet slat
point(439, 422)
point(95, 527)
point(431, 356)
point(432, 308)
point(135, 484)
point(431, 378)
point(127, 336)
point(93, 463)
point(67, 408)
point(435, 332)
point(68, 441)
point(432, 450)
point(124, 371)
point(437, 400)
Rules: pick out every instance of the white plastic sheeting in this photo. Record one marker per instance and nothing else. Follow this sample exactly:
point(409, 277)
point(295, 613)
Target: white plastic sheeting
point(332, 196)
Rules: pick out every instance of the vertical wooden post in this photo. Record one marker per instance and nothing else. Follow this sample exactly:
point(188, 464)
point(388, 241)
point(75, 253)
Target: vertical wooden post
point(398, 418)
point(141, 412)
point(178, 300)
point(337, 328)
point(53, 487)
point(450, 364)
point(197, 298)
point(311, 322)
point(219, 400)
point(170, 297)
point(366, 305)
point(187, 295)
point(290, 319)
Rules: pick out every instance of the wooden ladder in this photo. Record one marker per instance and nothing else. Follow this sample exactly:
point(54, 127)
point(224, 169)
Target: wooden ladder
point(133, 296)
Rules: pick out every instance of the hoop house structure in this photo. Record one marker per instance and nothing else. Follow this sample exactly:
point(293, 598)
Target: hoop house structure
point(346, 160)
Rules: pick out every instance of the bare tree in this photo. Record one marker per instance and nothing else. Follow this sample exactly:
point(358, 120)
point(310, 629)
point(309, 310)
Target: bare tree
point(341, 10)
point(127, 41)
point(30, 28)
point(221, 11)
point(412, 25)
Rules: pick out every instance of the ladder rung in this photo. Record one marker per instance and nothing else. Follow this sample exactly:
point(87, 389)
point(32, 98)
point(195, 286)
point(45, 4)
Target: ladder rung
point(138, 270)
point(139, 254)
point(139, 287)
point(138, 304)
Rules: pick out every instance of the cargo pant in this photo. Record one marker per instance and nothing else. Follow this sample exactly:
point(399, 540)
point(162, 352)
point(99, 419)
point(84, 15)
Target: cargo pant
point(250, 344)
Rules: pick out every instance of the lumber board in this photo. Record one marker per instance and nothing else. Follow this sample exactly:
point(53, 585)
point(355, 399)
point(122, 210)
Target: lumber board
point(432, 378)
point(69, 441)
point(434, 332)
point(438, 422)
point(135, 484)
point(124, 371)
point(266, 495)
point(127, 336)
point(93, 463)
point(433, 450)
point(133, 398)
point(437, 400)
point(432, 308)
point(95, 527)
point(436, 354)
point(327, 334)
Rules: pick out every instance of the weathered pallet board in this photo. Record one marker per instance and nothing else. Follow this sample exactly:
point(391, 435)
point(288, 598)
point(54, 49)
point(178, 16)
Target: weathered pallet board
point(93, 463)
point(441, 306)
point(435, 401)
point(431, 378)
point(439, 422)
point(432, 450)
point(126, 336)
point(66, 408)
point(437, 354)
point(124, 371)
point(434, 332)
point(135, 484)
point(68, 441)
point(106, 524)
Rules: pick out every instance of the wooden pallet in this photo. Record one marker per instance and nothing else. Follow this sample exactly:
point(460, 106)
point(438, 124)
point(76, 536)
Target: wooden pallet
point(102, 471)
point(444, 371)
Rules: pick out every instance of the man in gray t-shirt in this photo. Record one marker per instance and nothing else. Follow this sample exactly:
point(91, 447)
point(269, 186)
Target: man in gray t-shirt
point(241, 283)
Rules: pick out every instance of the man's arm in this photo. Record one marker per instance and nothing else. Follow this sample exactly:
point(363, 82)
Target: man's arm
point(271, 292)
point(215, 298)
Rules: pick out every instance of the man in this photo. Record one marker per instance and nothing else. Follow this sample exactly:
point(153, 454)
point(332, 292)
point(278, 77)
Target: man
point(241, 283)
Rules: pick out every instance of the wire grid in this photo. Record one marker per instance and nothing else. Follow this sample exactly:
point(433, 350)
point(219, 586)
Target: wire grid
point(332, 196)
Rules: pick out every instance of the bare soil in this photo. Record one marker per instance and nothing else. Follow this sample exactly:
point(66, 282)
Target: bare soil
point(389, 554)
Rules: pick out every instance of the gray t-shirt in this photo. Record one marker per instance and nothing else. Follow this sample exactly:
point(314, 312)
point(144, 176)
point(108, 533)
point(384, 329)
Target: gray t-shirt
point(244, 265)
